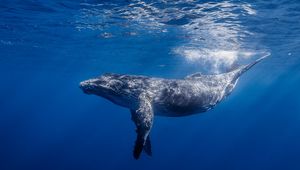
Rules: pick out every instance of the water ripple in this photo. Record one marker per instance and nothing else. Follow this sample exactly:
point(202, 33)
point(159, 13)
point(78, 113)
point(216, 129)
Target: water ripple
point(213, 33)
point(212, 36)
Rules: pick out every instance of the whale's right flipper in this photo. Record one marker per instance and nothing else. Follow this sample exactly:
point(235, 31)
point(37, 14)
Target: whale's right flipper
point(143, 119)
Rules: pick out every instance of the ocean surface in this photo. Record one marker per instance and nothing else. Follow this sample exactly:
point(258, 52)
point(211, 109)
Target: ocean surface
point(48, 47)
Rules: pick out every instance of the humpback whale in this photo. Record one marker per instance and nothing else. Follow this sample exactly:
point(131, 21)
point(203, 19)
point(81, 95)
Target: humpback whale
point(148, 96)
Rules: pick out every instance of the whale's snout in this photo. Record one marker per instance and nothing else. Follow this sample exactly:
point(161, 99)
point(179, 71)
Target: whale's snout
point(94, 86)
point(83, 86)
point(102, 86)
point(87, 86)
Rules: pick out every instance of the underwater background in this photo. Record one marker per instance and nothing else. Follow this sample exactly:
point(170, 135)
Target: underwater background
point(48, 47)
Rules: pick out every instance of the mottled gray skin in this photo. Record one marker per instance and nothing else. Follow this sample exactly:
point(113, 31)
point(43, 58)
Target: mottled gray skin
point(148, 96)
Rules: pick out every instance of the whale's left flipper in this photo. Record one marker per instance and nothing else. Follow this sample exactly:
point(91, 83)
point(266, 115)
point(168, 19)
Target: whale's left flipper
point(147, 147)
point(143, 119)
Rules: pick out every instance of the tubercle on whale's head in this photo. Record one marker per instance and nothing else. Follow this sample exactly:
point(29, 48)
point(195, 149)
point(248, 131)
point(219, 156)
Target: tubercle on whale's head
point(88, 86)
point(106, 85)
point(109, 86)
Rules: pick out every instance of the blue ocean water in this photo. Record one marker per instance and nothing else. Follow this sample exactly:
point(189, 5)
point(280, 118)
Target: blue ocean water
point(48, 47)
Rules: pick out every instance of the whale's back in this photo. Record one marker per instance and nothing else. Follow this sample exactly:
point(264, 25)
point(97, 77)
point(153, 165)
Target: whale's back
point(223, 83)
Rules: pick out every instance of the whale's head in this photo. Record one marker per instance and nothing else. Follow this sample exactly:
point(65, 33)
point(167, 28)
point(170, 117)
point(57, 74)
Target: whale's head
point(109, 86)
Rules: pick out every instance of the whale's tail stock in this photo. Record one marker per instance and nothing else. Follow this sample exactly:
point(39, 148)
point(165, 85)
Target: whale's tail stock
point(244, 68)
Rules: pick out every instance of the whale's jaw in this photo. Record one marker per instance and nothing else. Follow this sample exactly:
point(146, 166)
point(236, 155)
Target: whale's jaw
point(84, 87)
point(88, 86)
point(95, 86)
point(107, 87)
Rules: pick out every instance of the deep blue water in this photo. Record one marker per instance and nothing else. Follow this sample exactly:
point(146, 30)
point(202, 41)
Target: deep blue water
point(48, 47)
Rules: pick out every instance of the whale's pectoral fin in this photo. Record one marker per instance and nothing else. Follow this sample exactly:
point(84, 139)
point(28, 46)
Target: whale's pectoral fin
point(147, 147)
point(143, 119)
